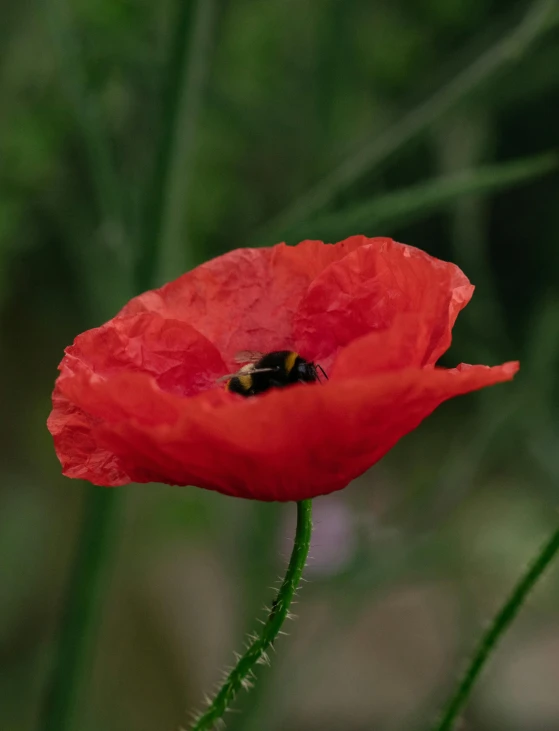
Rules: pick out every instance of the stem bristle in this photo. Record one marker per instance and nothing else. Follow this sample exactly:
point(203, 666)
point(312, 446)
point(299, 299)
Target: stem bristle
point(242, 676)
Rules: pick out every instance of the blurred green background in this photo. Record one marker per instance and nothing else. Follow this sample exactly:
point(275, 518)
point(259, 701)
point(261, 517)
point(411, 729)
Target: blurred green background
point(138, 139)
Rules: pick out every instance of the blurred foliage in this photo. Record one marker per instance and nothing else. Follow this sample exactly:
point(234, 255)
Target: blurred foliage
point(434, 122)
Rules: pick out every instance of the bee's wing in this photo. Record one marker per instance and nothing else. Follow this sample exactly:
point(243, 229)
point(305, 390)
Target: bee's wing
point(243, 372)
point(248, 356)
point(227, 377)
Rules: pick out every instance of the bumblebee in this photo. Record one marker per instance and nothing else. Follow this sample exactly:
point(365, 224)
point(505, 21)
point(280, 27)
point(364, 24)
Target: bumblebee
point(277, 369)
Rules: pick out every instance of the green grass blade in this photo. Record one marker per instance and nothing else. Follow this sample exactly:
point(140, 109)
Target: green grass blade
point(73, 79)
point(491, 638)
point(81, 611)
point(411, 204)
point(165, 252)
point(509, 49)
point(82, 604)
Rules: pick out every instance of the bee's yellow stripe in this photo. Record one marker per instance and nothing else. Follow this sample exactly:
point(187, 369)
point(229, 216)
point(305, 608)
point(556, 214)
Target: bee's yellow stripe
point(246, 382)
point(290, 361)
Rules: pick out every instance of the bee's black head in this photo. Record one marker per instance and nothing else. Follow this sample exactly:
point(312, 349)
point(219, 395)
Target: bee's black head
point(307, 372)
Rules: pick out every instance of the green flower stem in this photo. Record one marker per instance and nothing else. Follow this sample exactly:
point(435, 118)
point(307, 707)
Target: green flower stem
point(495, 632)
point(243, 673)
point(81, 610)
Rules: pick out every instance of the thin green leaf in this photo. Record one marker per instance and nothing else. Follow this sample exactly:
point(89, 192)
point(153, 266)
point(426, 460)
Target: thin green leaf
point(411, 204)
point(73, 79)
point(165, 252)
point(81, 611)
point(494, 634)
point(539, 18)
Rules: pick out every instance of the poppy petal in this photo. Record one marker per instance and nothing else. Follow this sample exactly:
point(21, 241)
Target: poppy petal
point(402, 345)
point(245, 299)
point(77, 445)
point(180, 358)
point(364, 291)
point(288, 444)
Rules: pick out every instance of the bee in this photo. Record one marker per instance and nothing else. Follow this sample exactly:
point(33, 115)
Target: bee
point(277, 369)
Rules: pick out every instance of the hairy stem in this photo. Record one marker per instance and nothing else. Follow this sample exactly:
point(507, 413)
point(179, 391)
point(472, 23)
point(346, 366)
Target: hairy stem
point(242, 674)
point(496, 631)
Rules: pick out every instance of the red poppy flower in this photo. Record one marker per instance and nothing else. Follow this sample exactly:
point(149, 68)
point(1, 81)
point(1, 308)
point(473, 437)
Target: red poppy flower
point(139, 400)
